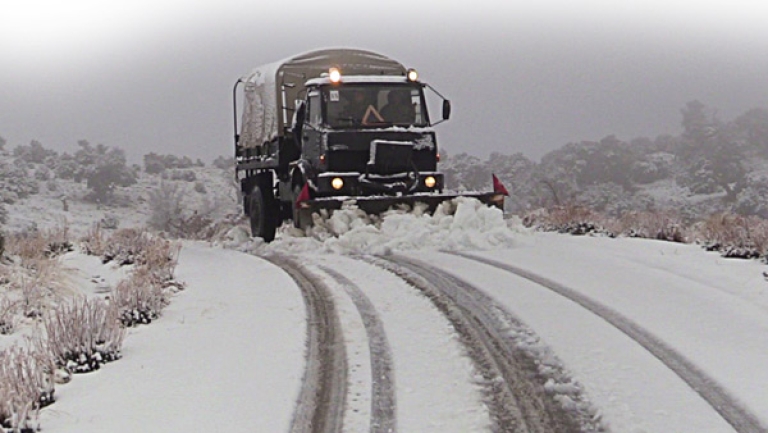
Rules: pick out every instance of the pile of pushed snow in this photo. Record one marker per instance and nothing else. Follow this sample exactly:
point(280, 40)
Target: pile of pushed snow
point(460, 224)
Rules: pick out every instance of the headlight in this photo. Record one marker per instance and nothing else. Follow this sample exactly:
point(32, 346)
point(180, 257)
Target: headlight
point(334, 74)
point(412, 75)
point(430, 181)
point(337, 183)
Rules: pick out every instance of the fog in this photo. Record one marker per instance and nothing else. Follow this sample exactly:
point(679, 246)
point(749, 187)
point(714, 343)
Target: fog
point(157, 76)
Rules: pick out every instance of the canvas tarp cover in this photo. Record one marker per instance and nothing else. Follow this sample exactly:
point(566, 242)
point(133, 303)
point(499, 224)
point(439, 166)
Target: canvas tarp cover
point(264, 117)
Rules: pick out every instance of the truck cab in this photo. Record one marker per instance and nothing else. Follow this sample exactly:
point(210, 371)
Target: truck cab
point(366, 135)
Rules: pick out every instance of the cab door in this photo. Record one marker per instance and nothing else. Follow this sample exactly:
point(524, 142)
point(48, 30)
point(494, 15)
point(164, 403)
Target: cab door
point(312, 131)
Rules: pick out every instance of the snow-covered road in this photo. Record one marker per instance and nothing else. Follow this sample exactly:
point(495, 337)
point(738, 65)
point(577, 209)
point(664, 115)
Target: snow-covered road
point(229, 353)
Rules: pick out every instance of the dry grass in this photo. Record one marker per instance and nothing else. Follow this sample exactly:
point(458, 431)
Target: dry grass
point(734, 235)
point(730, 234)
point(567, 219)
point(95, 241)
point(140, 298)
point(33, 245)
point(26, 385)
point(78, 335)
point(83, 334)
point(35, 283)
point(667, 226)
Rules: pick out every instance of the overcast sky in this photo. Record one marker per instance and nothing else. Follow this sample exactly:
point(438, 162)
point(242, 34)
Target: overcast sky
point(157, 75)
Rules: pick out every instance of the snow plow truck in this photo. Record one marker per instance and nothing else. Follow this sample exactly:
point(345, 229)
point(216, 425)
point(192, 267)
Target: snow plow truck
point(335, 126)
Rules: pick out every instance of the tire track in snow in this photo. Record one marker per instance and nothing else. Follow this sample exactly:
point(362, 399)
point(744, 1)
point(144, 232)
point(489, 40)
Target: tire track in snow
point(732, 411)
point(517, 402)
point(322, 398)
point(383, 401)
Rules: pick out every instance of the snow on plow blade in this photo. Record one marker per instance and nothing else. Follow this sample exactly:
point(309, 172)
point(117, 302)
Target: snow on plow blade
point(374, 205)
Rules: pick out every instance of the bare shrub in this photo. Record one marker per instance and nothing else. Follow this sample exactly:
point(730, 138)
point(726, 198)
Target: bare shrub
point(33, 244)
point(94, 242)
point(38, 281)
point(667, 226)
point(126, 246)
point(734, 235)
point(170, 215)
point(139, 299)
point(577, 220)
point(166, 204)
point(7, 316)
point(26, 385)
point(84, 334)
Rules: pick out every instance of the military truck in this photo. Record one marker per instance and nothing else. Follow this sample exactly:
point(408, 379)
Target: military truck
point(332, 126)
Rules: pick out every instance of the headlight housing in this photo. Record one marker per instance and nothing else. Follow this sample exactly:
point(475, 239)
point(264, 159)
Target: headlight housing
point(337, 183)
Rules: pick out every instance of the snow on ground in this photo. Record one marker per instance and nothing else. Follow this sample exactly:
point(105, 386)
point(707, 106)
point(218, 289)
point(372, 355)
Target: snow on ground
point(436, 388)
point(228, 353)
point(349, 231)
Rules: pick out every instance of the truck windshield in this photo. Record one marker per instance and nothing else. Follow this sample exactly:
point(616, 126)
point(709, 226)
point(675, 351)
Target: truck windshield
point(374, 106)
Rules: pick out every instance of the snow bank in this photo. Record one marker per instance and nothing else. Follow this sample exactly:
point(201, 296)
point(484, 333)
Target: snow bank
point(460, 224)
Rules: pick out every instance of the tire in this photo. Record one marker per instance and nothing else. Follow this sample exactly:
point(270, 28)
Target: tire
point(262, 211)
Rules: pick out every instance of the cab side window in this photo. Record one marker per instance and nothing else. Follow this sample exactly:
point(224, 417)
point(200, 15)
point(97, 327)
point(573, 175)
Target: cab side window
point(314, 111)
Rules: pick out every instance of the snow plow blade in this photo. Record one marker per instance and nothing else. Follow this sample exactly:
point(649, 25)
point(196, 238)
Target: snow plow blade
point(374, 205)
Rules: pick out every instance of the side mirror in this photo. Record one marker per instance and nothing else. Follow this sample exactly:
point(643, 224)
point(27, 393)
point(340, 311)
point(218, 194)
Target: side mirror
point(446, 109)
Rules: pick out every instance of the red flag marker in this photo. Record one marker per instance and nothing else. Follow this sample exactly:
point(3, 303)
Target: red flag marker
point(498, 187)
point(303, 195)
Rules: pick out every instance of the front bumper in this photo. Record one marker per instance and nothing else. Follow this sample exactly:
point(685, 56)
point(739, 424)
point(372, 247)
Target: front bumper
point(357, 184)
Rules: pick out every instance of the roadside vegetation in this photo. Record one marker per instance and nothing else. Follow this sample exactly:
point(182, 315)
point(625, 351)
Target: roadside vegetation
point(68, 331)
point(732, 235)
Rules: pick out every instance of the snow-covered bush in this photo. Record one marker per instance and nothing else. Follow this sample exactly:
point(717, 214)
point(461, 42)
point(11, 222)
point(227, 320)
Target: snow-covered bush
point(224, 163)
point(66, 167)
point(34, 153)
point(652, 167)
point(181, 175)
point(26, 385)
point(15, 183)
point(155, 163)
point(200, 188)
point(43, 173)
point(753, 199)
point(608, 198)
point(109, 222)
point(103, 179)
point(84, 334)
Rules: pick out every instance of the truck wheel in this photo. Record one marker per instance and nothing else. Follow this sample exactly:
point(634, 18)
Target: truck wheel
point(263, 214)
